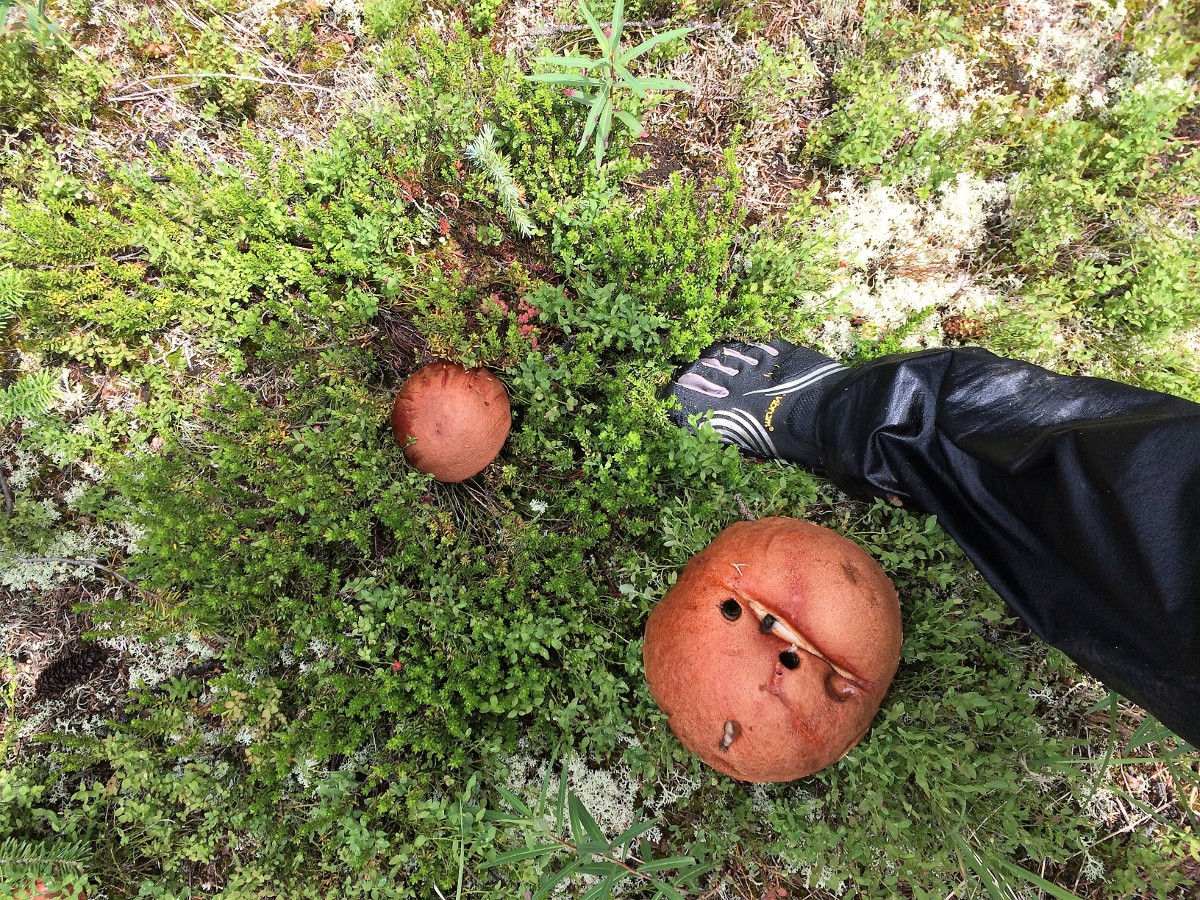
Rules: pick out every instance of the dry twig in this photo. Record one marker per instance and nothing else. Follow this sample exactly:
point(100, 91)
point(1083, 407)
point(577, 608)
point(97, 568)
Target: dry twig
point(8, 497)
point(90, 563)
point(643, 25)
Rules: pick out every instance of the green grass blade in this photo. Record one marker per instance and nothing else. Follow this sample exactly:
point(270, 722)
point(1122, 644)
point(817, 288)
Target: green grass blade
point(518, 855)
point(598, 104)
point(565, 78)
point(1148, 732)
point(593, 24)
point(582, 822)
point(544, 793)
point(561, 812)
point(975, 863)
point(618, 23)
point(1035, 880)
point(505, 818)
point(651, 42)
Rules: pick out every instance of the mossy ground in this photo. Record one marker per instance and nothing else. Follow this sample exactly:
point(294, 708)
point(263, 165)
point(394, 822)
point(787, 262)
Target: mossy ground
point(230, 230)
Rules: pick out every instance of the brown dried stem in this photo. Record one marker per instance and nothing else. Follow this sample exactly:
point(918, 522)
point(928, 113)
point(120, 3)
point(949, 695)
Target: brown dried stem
point(8, 497)
point(90, 563)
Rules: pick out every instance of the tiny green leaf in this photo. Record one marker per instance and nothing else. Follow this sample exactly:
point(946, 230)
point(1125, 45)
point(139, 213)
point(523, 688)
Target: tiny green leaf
point(1035, 880)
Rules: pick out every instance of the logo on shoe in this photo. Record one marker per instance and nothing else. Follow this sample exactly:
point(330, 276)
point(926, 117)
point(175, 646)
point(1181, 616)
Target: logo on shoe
point(771, 412)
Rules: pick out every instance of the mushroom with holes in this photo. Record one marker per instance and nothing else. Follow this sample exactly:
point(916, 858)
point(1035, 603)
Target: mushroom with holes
point(451, 421)
point(772, 652)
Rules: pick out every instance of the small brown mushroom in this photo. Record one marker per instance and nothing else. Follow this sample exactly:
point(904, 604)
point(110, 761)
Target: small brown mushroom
point(451, 422)
point(773, 650)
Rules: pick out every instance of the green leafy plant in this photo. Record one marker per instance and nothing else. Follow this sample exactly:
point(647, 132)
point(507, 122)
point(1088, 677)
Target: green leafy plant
point(41, 28)
point(333, 660)
point(577, 841)
point(603, 84)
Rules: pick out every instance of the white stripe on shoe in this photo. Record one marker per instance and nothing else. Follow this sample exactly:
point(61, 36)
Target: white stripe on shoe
point(733, 429)
point(756, 438)
point(799, 384)
point(733, 434)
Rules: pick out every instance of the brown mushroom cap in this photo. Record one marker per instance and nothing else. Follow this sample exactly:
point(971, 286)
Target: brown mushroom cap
point(451, 422)
point(773, 650)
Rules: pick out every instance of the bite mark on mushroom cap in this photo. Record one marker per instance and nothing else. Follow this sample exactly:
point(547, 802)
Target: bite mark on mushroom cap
point(804, 689)
point(771, 624)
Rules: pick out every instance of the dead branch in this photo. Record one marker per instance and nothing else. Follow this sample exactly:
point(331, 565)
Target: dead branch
point(8, 497)
point(643, 25)
point(90, 563)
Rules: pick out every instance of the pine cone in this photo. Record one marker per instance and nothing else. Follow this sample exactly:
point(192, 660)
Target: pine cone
point(70, 670)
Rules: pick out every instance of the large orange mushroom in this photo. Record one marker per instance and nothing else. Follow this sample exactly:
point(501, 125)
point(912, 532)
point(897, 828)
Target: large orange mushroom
point(772, 652)
point(451, 421)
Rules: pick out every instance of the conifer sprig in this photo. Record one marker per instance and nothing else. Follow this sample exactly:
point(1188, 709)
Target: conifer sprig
point(28, 397)
point(487, 156)
point(24, 862)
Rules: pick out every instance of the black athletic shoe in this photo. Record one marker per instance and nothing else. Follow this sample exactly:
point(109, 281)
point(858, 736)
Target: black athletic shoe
point(761, 397)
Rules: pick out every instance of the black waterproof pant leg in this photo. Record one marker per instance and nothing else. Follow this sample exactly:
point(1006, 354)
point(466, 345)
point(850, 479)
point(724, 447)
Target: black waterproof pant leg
point(1077, 498)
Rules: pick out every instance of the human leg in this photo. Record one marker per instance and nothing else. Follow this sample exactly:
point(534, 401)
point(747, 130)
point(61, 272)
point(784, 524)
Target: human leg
point(1077, 498)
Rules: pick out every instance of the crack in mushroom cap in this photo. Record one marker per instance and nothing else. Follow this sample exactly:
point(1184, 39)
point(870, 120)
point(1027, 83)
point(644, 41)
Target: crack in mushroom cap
point(823, 600)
